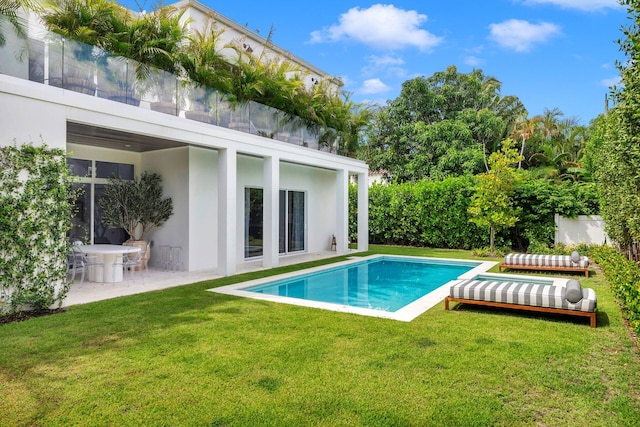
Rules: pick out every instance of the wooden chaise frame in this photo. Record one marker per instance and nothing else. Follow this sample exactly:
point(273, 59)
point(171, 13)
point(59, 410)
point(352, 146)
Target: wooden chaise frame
point(590, 314)
point(543, 268)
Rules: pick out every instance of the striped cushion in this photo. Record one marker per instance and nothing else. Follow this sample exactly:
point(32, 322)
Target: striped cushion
point(536, 295)
point(545, 260)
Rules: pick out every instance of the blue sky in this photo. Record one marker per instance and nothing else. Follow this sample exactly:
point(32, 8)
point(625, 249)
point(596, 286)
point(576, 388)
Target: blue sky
point(549, 53)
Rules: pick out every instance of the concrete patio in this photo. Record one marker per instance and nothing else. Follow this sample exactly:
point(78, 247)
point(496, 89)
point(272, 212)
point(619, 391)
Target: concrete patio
point(156, 278)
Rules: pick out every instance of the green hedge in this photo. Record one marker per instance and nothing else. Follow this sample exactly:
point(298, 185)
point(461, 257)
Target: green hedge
point(624, 279)
point(35, 189)
point(435, 213)
point(426, 213)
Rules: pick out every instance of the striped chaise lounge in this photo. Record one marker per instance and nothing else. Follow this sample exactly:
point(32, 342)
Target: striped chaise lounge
point(571, 299)
point(573, 262)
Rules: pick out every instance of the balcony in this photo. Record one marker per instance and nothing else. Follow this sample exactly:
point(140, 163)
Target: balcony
point(53, 60)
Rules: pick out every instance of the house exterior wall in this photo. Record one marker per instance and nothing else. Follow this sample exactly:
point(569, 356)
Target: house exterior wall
point(203, 206)
point(26, 119)
point(191, 174)
point(319, 185)
point(206, 177)
point(173, 166)
point(199, 17)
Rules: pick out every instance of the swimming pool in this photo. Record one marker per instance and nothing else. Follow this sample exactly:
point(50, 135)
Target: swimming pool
point(392, 287)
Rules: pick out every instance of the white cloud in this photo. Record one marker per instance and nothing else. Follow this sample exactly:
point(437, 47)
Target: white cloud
point(521, 35)
point(613, 81)
point(385, 61)
point(586, 5)
point(373, 86)
point(381, 26)
point(387, 64)
point(472, 60)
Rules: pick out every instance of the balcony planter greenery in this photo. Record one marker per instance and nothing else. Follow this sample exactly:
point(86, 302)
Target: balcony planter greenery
point(161, 40)
point(137, 206)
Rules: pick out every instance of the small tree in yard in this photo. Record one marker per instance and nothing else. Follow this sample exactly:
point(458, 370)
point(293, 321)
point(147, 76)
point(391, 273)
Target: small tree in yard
point(491, 204)
point(136, 205)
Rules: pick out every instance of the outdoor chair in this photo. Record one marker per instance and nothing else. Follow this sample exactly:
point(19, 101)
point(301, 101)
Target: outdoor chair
point(79, 261)
point(130, 262)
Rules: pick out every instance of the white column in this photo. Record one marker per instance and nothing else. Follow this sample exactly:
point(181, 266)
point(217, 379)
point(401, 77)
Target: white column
point(342, 211)
point(271, 198)
point(363, 212)
point(227, 208)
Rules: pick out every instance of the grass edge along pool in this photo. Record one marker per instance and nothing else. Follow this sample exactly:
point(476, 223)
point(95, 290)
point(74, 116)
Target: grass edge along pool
point(407, 312)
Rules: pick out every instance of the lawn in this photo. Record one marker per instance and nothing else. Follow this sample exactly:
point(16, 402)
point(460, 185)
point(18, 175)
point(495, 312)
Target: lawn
point(187, 357)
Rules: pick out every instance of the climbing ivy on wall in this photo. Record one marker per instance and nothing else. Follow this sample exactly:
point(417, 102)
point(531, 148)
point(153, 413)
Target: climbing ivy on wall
point(35, 215)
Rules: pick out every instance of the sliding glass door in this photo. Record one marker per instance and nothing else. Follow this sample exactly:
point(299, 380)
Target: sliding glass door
point(291, 222)
point(253, 222)
point(295, 221)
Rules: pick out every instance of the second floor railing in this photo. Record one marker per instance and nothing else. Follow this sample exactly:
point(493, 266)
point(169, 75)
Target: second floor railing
point(57, 61)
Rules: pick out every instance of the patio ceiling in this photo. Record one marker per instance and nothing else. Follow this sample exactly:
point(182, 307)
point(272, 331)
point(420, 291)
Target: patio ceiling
point(95, 136)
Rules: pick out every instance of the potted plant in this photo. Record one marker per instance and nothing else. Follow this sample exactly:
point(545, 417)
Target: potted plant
point(137, 206)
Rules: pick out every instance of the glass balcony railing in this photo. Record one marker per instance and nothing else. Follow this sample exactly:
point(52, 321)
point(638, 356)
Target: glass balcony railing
point(53, 60)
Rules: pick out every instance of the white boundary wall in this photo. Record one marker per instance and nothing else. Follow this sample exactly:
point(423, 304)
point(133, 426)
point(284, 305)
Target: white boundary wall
point(582, 229)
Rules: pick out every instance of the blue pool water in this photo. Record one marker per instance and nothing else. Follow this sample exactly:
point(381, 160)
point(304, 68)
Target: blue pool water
point(385, 283)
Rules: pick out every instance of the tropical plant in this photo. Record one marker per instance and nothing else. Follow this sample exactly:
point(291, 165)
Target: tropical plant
point(9, 15)
point(135, 205)
point(160, 39)
point(525, 128)
point(203, 61)
point(491, 205)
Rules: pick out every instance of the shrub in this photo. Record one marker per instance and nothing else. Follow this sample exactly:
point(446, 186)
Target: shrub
point(624, 279)
point(35, 190)
point(435, 214)
point(426, 213)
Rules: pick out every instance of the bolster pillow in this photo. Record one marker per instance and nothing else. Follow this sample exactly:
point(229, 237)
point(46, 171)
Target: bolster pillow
point(575, 256)
point(573, 293)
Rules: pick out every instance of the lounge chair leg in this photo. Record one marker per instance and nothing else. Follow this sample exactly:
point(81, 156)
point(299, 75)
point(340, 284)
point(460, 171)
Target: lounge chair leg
point(592, 319)
point(446, 303)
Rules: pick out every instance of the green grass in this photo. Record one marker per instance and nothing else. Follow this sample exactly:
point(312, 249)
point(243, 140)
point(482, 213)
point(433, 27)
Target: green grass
point(187, 357)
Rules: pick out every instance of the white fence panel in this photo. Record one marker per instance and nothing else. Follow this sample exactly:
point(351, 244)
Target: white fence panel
point(583, 229)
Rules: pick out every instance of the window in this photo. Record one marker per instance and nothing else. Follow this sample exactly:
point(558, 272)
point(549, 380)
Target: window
point(87, 222)
point(111, 170)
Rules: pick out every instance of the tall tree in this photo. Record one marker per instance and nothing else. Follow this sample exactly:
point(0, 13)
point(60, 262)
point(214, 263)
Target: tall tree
point(491, 204)
point(467, 112)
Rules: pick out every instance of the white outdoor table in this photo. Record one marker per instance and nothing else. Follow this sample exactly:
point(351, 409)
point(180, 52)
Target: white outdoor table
point(106, 254)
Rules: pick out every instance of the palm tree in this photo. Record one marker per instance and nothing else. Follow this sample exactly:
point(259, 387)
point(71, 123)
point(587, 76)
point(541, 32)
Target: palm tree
point(550, 122)
point(88, 21)
point(525, 128)
point(9, 15)
point(153, 39)
point(202, 60)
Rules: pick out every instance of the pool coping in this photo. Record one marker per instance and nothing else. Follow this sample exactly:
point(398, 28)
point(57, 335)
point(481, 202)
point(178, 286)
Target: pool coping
point(404, 314)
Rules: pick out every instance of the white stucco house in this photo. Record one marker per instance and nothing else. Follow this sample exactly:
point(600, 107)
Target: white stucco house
point(238, 196)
